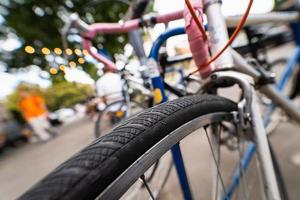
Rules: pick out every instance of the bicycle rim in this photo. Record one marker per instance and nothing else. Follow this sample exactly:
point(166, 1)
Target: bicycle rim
point(211, 147)
point(245, 189)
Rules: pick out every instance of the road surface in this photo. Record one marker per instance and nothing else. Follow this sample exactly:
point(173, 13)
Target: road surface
point(20, 168)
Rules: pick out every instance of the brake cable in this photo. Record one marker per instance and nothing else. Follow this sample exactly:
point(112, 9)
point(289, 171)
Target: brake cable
point(231, 39)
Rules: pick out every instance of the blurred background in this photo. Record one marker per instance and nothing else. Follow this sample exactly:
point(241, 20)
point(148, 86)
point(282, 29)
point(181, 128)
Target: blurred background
point(37, 72)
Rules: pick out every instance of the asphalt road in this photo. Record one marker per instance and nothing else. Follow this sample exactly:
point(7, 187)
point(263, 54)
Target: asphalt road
point(20, 168)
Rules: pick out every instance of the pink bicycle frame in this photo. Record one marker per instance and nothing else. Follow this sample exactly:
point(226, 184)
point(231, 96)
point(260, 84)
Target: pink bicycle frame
point(198, 46)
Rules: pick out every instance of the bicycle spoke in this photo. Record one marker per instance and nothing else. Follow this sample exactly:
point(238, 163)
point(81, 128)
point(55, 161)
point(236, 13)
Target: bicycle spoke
point(147, 187)
point(215, 160)
point(219, 159)
point(244, 188)
point(166, 178)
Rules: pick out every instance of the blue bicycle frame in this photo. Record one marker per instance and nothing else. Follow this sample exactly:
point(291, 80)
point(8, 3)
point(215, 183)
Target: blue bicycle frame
point(176, 153)
point(292, 64)
point(286, 75)
point(157, 83)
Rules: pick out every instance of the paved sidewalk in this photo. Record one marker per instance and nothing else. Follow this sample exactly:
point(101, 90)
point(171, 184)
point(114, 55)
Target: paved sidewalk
point(22, 167)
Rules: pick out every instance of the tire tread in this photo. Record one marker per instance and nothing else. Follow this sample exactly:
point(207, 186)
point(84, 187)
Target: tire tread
point(76, 177)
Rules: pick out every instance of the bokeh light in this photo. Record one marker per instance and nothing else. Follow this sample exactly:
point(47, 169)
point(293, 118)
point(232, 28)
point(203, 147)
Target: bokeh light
point(77, 52)
point(58, 51)
point(85, 52)
point(62, 67)
point(53, 71)
point(45, 51)
point(69, 51)
point(29, 49)
point(81, 60)
point(72, 64)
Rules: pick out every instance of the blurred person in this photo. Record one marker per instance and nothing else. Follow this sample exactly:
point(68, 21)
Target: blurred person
point(35, 112)
point(109, 96)
point(109, 88)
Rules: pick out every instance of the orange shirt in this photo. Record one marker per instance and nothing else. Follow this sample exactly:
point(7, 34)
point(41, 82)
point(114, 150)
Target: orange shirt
point(33, 106)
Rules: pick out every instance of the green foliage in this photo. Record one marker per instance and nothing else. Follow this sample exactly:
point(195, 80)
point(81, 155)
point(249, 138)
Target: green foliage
point(58, 78)
point(60, 95)
point(37, 23)
point(92, 71)
point(66, 94)
point(12, 104)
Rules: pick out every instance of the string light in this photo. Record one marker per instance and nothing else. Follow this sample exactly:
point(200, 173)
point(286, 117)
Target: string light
point(53, 71)
point(62, 67)
point(69, 51)
point(45, 51)
point(58, 51)
point(29, 49)
point(77, 52)
point(85, 52)
point(72, 64)
point(81, 60)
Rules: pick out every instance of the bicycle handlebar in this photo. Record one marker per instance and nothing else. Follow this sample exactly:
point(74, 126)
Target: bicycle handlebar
point(199, 46)
point(88, 32)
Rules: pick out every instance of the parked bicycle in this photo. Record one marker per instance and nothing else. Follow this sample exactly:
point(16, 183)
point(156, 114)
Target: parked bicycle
point(136, 96)
point(109, 166)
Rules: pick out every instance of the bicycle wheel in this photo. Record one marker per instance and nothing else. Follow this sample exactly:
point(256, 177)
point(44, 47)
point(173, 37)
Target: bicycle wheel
point(114, 114)
point(107, 120)
point(108, 167)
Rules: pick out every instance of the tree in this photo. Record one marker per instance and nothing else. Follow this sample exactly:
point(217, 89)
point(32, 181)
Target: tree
point(66, 94)
point(37, 24)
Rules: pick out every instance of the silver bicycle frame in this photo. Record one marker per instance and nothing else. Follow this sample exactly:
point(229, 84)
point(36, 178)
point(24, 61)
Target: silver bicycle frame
point(251, 113)
point(218, 30)
point(269, 90)
point(273, 17)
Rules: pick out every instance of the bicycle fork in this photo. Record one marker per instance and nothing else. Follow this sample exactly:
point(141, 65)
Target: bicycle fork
point(263, 151)
point(249, 117)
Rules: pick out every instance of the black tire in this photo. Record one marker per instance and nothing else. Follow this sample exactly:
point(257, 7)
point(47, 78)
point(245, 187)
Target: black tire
point(88, 173)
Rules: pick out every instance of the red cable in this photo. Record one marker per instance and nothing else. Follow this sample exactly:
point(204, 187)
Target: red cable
point(231, 39)
point(198, 22)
